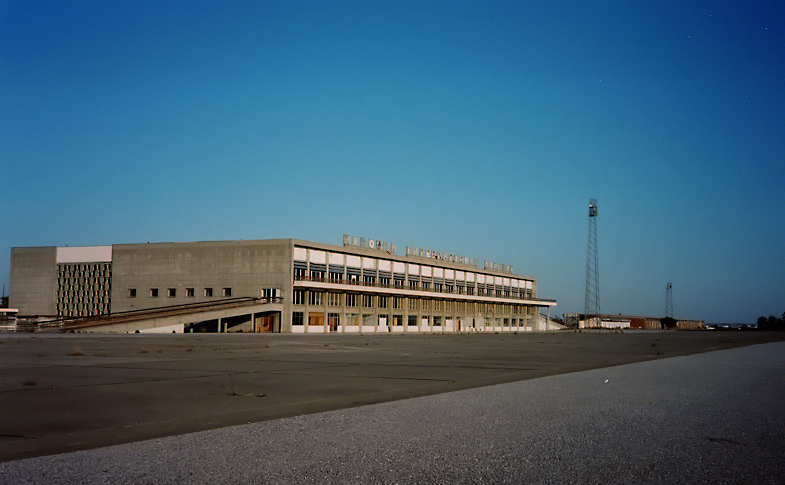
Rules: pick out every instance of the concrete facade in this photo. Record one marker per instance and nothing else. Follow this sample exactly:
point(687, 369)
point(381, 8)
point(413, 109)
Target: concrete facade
point(245, 267)
point(316, 288)
point(33, 288)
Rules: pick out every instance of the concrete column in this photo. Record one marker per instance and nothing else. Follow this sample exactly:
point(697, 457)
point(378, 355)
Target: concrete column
point(326, 322)
point(548, 318)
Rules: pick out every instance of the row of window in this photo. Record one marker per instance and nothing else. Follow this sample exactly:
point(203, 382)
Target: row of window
point(318, 298)
point(189, 292)
point(399, 271)
point(416, 284)
point(334, 319)
point(86, 269)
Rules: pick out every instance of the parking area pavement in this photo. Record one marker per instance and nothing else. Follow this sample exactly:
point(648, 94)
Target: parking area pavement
point(706, 418)
point(62, 393)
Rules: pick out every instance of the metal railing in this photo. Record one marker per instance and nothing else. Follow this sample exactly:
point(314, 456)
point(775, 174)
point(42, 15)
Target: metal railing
point(419, 288)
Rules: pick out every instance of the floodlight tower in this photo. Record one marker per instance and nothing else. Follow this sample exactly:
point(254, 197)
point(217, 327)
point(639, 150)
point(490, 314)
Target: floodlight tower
point(592, 308)
point(669, 301)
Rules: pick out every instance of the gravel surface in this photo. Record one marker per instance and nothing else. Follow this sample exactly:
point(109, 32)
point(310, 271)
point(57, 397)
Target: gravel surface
point(709, 418)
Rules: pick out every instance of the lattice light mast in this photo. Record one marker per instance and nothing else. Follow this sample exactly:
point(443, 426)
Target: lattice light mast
point(669, 301)
point(592, 308)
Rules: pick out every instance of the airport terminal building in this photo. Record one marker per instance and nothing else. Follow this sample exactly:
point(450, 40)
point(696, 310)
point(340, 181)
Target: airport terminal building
point(296, 286)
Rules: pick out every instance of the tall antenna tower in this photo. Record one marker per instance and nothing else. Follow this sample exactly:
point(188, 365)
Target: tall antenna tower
point(669, 301)
point(592, 308)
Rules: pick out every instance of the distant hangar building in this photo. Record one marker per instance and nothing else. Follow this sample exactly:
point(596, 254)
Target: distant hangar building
point(293, 286)
point(634, 322)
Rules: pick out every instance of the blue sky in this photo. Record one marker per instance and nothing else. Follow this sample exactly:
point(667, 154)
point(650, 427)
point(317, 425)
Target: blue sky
point(477, 128)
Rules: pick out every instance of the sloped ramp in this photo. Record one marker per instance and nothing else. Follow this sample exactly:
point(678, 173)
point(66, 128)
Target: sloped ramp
point(167, 319)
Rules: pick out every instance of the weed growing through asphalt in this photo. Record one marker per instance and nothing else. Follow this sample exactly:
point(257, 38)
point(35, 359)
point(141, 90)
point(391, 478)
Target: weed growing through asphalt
point(233, 392)
point(30, 381)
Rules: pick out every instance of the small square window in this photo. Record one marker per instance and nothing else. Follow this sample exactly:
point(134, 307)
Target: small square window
point(208, 292)
point(227, 292)
point(153, 292)
point(171, 292)
point(189, 292)
point(131, 292)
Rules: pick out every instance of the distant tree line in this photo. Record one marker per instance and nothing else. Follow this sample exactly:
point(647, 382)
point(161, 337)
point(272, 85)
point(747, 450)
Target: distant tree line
point(771, 323)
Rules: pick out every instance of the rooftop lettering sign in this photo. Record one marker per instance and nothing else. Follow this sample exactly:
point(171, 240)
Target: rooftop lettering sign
point(361, 242)
point(384, 246)
point(432, 253)
point(506, 268)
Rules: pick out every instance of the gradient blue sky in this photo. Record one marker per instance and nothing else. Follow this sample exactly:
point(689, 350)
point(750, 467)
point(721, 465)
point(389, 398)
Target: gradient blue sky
point(477, 128)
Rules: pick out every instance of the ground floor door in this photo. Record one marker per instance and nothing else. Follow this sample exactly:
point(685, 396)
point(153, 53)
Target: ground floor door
point(266, 324)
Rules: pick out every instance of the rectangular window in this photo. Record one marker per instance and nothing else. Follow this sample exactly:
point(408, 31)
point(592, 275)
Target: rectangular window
point(334, 299)
point(316, 319)
point(317, 275)
point(153, 292)
point(382, 302)
point(297, 318)
point(397, 302)
point(368, 301)
point(298, 297)
point(131, 292)
point(189, 292)
point(171, 292)
point(208, 292)
point(227, 292)
point(351, 300)
point(299, 274)
point(412, 320)
point(384, 281)
point(314, 298)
